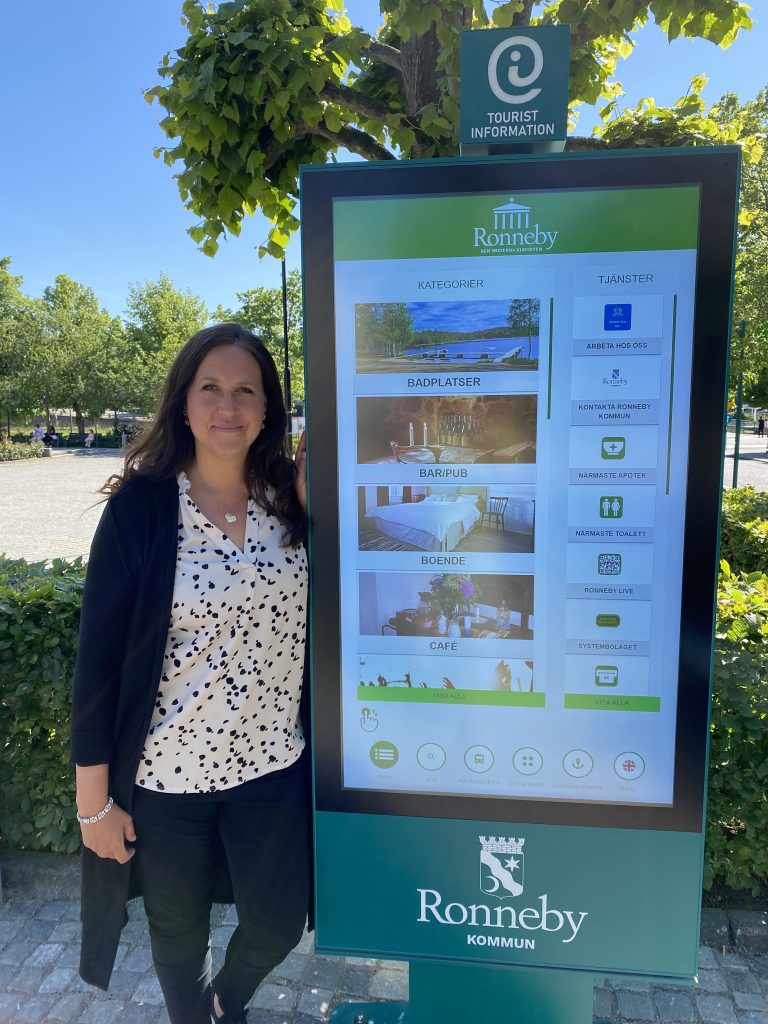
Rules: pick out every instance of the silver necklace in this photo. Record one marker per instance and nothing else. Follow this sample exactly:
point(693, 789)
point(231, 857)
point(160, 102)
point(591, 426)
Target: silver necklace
point(231, 517)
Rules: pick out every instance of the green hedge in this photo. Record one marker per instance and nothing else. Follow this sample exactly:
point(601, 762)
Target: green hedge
point(744, 530)
point(737, 813)
point(12, 450)
point(39, 614)
point(39, 617)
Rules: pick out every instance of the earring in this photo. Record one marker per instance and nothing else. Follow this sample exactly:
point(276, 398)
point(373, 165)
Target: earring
point(185, 416)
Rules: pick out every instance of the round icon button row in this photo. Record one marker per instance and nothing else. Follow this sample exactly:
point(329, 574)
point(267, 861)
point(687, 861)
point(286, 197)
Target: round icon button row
point(577, 763)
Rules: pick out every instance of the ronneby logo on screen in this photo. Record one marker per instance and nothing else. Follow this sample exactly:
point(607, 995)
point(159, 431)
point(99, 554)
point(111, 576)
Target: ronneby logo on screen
point(501, 876)
point(513, 232)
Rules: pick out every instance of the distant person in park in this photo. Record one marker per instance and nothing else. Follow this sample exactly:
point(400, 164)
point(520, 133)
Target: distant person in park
point(50, 437)
point(38, 433)
point(189, 695)
point(761, 427)
point(90, 437)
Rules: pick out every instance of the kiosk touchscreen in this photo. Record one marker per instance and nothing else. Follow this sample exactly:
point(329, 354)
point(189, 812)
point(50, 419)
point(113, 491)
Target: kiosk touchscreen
point(516, 374)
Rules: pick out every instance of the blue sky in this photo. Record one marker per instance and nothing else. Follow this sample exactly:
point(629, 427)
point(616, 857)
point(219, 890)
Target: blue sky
point(82, 194)
point(458, 316)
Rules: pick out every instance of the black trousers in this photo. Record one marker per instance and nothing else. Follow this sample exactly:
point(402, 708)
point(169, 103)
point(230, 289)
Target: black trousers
point(263, 827)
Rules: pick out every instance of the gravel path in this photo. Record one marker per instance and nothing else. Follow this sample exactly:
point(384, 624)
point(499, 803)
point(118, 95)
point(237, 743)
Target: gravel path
point(47, 505)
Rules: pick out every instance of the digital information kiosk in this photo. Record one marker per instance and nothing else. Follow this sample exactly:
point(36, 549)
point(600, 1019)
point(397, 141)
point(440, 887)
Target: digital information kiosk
point(516, 385)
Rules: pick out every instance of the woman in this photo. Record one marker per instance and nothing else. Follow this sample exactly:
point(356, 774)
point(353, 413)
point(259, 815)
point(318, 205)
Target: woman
point(191, 772)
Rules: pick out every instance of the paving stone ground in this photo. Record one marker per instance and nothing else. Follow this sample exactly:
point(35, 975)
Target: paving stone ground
point(39, 982)
point(44, 512)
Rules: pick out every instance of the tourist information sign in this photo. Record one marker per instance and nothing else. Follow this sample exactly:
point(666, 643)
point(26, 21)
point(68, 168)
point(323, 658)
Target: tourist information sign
point(514, 86)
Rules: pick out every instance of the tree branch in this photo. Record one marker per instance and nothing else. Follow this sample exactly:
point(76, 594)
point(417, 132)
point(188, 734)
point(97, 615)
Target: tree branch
point(384, 54)
point(524, 17)
point(354, 140)
point(346, 96)
point(275, 155)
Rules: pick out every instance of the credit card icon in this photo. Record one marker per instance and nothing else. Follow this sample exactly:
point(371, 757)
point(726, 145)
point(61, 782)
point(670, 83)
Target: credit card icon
point(606, 675)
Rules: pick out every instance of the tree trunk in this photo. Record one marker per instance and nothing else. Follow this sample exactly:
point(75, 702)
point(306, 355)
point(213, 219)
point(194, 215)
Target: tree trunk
point(47, 411)
point(419, 60)
point(79, 418)
point(419, 55)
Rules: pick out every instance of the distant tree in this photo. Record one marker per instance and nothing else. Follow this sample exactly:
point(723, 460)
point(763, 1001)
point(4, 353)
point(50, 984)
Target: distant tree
point(73, 365)
point(15, 343)
point(751, 284)
point(261, 311)
point(756, 390)
point(159, 318)
point(523, 317)
point(368, 328)
point(690, 122)
point(260, 87)
point(396, 326)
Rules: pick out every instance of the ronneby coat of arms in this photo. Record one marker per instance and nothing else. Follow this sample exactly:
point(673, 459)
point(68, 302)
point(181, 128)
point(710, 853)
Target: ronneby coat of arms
point(501, 866)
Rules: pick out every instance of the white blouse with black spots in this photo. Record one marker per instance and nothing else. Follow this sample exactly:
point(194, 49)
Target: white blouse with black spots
point(227, 709)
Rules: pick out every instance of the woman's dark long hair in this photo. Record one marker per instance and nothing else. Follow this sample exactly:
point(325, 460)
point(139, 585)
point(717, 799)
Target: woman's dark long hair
point(167, 446)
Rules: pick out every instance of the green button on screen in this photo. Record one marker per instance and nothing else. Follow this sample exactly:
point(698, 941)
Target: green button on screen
point(608, 620)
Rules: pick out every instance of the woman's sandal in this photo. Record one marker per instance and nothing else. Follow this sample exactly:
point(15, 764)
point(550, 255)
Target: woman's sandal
point(226, 1018)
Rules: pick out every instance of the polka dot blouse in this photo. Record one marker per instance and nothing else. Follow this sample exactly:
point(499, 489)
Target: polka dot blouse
point(227, 709)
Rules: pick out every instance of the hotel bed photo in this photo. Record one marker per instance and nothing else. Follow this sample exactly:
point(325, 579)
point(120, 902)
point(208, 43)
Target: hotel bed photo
point(430, 429)
point(400, 517)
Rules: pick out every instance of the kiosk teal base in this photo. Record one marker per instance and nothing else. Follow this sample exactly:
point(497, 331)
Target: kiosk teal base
point(459, 994)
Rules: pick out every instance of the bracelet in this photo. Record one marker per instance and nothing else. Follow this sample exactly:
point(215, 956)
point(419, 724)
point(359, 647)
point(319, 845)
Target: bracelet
point(96, 817)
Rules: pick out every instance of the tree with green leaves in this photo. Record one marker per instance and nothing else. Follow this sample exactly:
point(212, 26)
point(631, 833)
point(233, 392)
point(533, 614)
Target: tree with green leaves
point(368, 339)
point(396, 326)
point(14, 358)
point(523, 317)
point(690, 122)
point(262, 86)
point(749, 356)
point(75, 364)
point(261, 310)
point(159, 319)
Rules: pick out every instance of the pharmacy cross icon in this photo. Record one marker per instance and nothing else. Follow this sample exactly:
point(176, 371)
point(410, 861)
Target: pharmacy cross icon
point(612, 447)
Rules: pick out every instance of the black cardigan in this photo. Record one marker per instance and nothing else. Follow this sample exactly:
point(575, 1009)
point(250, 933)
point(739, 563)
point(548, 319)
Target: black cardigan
point(123, 630)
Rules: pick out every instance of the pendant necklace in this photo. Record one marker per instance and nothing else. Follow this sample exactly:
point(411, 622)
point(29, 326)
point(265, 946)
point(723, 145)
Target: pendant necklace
point(231, 517)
